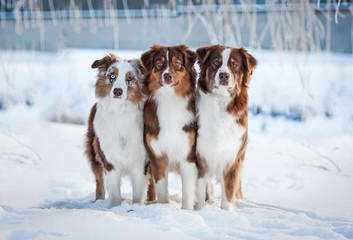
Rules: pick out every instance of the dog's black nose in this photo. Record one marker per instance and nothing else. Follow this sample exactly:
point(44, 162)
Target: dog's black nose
point(223, 77)
point(167, 78)
point(118, 92)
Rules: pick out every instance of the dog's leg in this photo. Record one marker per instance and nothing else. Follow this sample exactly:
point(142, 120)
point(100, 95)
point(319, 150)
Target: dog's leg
point(201, 192)
point(209, 190)
point(189, 178)
point(230, 184)
point(98, 172)
point(228, 194)
point(139, 186)
point(95, 160)
point(113, 187)
point(162, 189)
point(238, 192)
point(238, 170)
point(151, 192)
point(160, 176)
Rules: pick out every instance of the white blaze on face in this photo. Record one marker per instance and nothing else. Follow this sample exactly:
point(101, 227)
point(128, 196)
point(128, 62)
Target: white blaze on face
point(167, 69)
point(123, 67)
point(225, 69)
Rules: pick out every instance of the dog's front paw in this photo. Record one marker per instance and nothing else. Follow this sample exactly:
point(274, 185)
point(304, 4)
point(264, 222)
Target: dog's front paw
point(228, 206)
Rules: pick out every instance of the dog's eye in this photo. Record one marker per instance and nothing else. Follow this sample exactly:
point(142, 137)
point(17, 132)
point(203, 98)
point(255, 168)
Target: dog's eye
point(234, 65)
point(217, 62)
point(177, 64)
point(112, 77)
point(159, 64)
point(130, 80)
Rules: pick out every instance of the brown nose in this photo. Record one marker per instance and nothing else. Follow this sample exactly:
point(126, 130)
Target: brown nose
point(118, 92)
point(223, 78)
point(167, 78)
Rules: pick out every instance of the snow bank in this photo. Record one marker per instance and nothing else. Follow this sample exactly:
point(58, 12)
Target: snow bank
point(60, 86)
point(301, 86)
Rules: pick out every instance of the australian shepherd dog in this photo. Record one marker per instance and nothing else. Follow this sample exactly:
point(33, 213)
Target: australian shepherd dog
point(170, 120)
point(114, 140)
point(222, 101)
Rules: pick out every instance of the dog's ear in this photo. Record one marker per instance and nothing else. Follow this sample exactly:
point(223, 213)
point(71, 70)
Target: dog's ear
point(203, 53)
point(147, 58)
point(189, 56)
point(140, 69)
point(248, 60)
point(249, 63)
point(104, 63)
point(190, 59)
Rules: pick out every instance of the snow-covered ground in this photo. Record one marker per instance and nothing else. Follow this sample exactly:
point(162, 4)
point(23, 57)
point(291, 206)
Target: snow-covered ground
point(297, 178)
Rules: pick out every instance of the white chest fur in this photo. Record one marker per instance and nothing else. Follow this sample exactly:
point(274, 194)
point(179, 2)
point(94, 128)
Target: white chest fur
point(119, 127)
point(219, 135)
point(172, 115)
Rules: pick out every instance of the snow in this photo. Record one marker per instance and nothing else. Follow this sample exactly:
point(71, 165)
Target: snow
point(297, 176)
point(288, 193)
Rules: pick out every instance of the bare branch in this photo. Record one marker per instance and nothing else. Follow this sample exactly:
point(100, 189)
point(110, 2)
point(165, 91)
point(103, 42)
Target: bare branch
point(337, 9)
point(8, 133)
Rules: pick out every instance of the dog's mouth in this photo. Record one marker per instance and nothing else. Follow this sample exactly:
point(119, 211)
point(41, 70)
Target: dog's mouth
point(175, 84)
point(223, 90)
point(171, 84)
point(221, 86)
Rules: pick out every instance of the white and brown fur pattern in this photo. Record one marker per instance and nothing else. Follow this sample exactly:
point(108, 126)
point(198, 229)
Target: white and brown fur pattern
point(222, 118)
point(114, 141)
point(169, 117)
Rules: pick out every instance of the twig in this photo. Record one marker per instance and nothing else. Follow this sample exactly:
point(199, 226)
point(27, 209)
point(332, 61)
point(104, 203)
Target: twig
point(10, 135)
point(314, 150)
point(337, 8)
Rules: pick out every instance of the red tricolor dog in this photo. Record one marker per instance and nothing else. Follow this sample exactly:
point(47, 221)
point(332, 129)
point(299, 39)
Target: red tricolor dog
point(223, 118)
point(169, 117)
point(114, 141)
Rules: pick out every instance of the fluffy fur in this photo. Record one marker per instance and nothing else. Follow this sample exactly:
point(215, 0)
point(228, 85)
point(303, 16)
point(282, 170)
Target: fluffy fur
point(169, 118)
point(114, 141)
point(222, 118)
